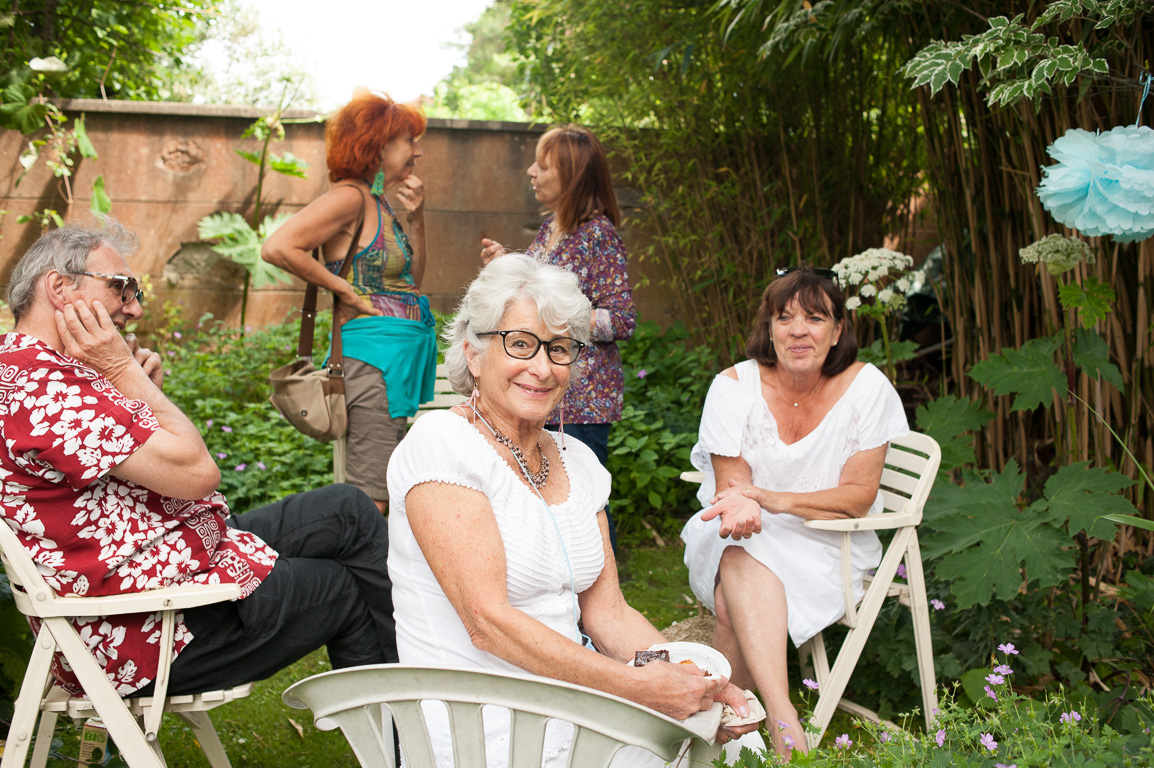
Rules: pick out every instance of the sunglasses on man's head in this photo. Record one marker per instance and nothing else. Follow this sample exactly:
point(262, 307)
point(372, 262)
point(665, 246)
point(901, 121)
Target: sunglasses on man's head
point(828, 274)
point(128, 286)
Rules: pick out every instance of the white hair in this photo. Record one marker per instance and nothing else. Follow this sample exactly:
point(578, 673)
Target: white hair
point(561, 307)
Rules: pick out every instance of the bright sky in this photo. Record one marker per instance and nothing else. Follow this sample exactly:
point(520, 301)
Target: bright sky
point(397, 47)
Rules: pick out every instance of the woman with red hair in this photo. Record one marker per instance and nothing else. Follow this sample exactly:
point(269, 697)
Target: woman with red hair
point(387, 327)
point(570, 178)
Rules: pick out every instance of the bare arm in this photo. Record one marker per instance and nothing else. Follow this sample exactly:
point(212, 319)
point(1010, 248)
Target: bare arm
point(174, 461)
point(291, 246)
point(852, 497)
point(411, 196)
point(449, 521)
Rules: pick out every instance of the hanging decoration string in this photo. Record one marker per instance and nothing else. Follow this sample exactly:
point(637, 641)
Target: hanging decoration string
point(1144, 81)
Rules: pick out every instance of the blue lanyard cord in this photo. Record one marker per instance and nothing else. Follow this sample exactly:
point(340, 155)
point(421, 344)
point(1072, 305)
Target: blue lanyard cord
point(586, 640)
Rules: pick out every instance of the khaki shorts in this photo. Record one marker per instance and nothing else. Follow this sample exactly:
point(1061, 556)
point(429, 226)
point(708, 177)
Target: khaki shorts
point(373, 434)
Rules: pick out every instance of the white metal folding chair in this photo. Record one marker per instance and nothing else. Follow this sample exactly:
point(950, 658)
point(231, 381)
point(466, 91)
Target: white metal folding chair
point(911, 466)
point(132, 724)
point(364, 701)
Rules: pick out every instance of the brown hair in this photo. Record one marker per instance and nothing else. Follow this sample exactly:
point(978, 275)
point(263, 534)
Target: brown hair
point(813, 293)
point(356, 134)
point(586, 190)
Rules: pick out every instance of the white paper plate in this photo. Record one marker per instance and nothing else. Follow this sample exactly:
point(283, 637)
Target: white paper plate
point(707, 659)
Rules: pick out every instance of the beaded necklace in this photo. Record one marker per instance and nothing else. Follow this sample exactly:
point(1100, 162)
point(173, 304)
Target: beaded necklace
point(538, 478)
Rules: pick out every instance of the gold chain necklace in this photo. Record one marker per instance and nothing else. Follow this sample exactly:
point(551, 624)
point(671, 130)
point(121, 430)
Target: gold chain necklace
point(777, 384)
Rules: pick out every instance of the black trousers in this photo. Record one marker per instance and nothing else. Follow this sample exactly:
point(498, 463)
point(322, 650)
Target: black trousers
point(330, 586)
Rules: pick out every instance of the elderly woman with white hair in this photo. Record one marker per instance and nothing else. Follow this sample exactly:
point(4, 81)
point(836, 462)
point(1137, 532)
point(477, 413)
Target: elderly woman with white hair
point(498, 543)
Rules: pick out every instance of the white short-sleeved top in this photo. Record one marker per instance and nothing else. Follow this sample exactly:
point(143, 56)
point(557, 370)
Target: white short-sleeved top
point(737, 422)
point(442, 447)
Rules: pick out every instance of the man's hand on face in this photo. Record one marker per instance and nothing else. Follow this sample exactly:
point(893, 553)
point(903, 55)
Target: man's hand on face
point(149, 360)
point(89, 335)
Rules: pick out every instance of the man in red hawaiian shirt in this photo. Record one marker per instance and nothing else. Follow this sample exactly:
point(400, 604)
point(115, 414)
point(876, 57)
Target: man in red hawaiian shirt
point(112, 490)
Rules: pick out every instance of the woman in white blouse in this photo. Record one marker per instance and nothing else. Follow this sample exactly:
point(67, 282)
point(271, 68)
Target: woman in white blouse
point(499, 550)
point(798, 432)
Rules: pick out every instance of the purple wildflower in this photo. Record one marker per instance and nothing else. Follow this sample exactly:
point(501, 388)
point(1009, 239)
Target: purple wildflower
point(177, 335)
point(1002, 669)
point(988, 742)
point(208, 424)
point(884, 737)
point(226, 428)
point(781, 726)
point(940, 738)
point(222, 455)
point(1071, 717)
point(1008, 648)
point(787, 740)
point(810, 684)
point(1003, 765)
point(241, 467)
point(642, 373)
point(990, 693)
point(843, 741)
point(938, 604)
point(901, 570)
point(261, 465)
point(170, 352)
point(995, 679)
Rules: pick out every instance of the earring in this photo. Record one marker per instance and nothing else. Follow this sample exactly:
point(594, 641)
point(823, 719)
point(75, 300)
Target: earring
point(562, 429)
point(474, 398)
point(378, 187)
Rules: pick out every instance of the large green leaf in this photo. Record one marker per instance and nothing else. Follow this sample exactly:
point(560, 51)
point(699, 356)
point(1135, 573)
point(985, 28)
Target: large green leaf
point(1029, 372)
point(17, 110)
point(948, 420)
point(1092, 301)
point(1092, 356)
point(289, 165)
point(101, 202)
point(1083, 494)
point(982, 493)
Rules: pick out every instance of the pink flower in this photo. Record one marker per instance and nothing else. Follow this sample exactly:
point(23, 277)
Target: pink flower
point(787, 740)
point(1008, 648)
point(901, 570)
point(995, 679)
point(641, 374)
point(261, 465)
point(1003, 765)
point(884, 736)
point(1071, 717)
point(843, 741)
point(988, 742)
point(241, 467)
point(810, 684)
point(177, 335)
point(208, 424)
point(222, 455)
point(1002, 669)
point(990, 693)
point(226, 428)
point(938, 604)
point(940, 738)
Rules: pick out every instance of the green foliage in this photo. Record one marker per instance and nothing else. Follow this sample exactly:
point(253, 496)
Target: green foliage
point(241, 245)
point(990, 541)
point(219, 378)
point(1092, 300)
point(1028, 372)
point(15, 648)
point(484, 88)
point(665, 386)
point(951, 421)
point(112, 50)
point(1023, 60)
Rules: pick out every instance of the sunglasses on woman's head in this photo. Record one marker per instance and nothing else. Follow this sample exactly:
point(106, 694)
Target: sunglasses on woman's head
point(828, 274)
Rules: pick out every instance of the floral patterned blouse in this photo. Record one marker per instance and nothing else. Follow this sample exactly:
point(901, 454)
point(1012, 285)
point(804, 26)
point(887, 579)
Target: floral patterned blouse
point(596, 255)
point(64, 427)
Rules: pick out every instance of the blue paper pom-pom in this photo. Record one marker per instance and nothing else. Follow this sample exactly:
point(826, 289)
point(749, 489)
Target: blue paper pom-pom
point(1103, 183)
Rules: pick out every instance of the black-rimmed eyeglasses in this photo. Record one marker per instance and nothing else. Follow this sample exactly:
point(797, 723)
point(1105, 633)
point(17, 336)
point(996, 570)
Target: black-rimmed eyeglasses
point(128, 286)
point(523, 345)
point(828, 274)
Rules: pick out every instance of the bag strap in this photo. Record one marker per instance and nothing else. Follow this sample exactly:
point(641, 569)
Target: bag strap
point(309, 310)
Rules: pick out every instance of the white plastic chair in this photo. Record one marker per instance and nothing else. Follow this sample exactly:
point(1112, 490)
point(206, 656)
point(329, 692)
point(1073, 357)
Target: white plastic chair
point(132, 724)
point(364, 701)
point(911, 466)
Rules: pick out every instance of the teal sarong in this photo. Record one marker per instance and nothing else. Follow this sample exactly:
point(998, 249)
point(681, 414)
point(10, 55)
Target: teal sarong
point(405, 352)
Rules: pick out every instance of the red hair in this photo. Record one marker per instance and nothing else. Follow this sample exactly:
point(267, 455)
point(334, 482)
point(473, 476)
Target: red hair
point(586, 191)
point(356, 134)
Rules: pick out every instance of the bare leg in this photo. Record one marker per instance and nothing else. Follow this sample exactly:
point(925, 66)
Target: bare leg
point(754, 600)
point(382, 505)
point(725, 640)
